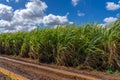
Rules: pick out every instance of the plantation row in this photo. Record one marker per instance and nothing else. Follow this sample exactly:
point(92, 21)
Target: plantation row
point(85, 46)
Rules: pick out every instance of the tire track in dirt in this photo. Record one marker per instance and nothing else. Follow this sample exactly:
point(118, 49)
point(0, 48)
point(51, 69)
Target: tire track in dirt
point(65, 73)
point(12, 75)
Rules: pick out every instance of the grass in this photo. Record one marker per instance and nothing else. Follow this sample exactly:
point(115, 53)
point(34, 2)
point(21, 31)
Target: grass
point(8, 77)
point(86, 45)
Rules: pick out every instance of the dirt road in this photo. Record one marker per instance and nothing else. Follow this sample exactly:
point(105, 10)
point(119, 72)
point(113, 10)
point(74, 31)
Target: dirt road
point(3, 77)
point(33, 71)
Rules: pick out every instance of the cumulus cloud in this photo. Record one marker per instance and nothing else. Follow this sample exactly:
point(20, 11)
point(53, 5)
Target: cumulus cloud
point(80, 13)
point(4, 23)
point(30, 14)
point(7, 0)
point(118, 15)
point(6, 12)
point(26, 19)
point(112, 6)
point(12, 0)
point(110, 20)
point(16, 1)
point(75, 2)
point(51, 20)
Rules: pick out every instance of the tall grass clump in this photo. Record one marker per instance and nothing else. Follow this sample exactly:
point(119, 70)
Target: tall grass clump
point(89, 45)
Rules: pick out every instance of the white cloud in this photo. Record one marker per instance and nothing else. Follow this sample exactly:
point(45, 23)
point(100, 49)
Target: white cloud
point(16, 0)
point(118, 15)
point(80, 13)
point(101, 25)
point(26, 19)
point(75, 2)
point(12, 0)
point(7, 0)
point(67, 14)
point(30, 14)
point(6, 12)
point(119, 2)
point(4, 23)
point(52, 20)
point(109, 20)
point(112, 6)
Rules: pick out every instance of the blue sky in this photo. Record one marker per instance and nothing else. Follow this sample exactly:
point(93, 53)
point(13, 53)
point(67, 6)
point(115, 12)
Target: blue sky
point(24, 15)
point(93, 10)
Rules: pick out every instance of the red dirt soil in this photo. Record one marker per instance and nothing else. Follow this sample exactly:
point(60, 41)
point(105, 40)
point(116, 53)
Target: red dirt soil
point(36, 74)
point(3, 77)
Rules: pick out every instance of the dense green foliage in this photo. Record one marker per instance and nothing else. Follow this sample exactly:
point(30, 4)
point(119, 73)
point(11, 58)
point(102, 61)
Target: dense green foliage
point(88, 45)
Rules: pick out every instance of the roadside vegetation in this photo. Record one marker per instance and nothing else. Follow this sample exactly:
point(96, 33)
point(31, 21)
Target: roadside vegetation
point(85, 46)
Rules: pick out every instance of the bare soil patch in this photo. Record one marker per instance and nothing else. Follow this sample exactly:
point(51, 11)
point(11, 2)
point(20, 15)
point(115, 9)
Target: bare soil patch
point(2, 76)
point(36, 74)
